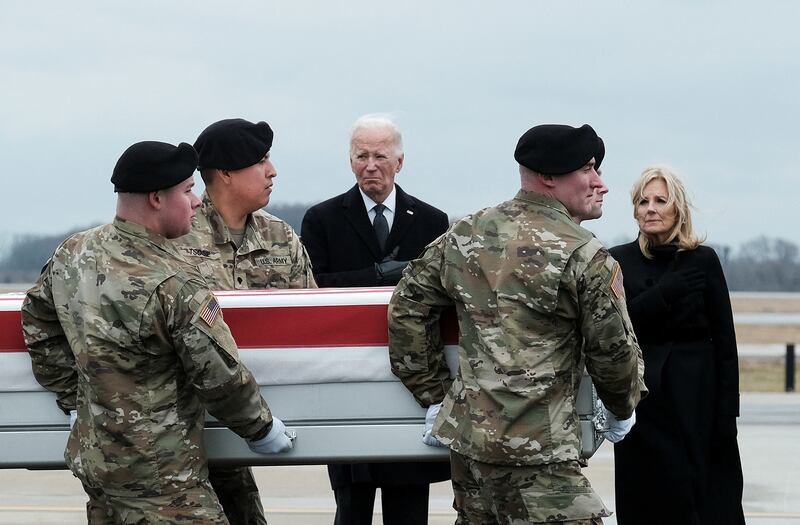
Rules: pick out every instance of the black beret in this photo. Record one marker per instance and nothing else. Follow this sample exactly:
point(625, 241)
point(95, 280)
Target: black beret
point(556, 149)
point(601, 153)
point(151, 166)
point(233, 144)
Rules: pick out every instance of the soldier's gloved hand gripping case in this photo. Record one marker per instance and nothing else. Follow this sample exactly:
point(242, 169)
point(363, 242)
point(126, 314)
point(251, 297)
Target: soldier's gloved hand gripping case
point(275, 442)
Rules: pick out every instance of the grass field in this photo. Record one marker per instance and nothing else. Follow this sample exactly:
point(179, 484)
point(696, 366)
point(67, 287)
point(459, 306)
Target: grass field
point(764, 375)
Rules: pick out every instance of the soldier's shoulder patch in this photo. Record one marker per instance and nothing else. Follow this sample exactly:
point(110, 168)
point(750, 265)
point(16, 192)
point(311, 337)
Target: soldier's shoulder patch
point(616, 285)
point(210, 311)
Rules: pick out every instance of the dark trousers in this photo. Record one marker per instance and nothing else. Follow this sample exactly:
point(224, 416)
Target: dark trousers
point(401, 504)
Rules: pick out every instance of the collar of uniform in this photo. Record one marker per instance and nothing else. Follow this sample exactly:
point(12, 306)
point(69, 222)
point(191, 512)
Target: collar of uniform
point(542, 200)
point(253, 237)
point(220, 233)
point(137, 230)
point(219, 230)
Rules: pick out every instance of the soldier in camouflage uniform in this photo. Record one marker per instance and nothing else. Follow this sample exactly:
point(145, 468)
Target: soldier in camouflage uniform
point(130, 339)
point(537, 298)
point(234, 242)
point(236, 245)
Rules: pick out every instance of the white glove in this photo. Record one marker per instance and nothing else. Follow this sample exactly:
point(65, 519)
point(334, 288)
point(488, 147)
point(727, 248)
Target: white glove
point(427, 436)
point(275, 442)
point(73, 417)
point(617, 428)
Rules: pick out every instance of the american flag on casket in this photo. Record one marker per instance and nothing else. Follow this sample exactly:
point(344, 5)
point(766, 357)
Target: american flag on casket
point(320, 356)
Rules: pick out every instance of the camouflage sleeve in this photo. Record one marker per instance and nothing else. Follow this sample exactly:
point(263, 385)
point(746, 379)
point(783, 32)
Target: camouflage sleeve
point(302, 275)
point(613, 357)
point(415, 342)
point(211, 362)
point(51, 356)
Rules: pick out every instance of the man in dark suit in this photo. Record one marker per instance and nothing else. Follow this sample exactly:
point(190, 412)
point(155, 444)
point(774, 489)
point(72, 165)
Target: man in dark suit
point(365, 237)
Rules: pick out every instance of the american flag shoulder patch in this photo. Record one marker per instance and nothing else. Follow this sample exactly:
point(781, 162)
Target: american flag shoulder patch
point(210, 311)
point(616, 283)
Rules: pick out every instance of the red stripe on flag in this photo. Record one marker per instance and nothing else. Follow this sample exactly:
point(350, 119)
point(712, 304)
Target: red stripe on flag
point(281, 327)
point(310, 326)
point(11, 339)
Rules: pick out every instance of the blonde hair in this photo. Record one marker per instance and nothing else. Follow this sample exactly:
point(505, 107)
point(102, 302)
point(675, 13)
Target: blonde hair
point(682, 232)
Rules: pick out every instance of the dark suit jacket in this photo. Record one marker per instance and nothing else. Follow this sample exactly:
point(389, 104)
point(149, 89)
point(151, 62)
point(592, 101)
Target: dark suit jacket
point(341, 242)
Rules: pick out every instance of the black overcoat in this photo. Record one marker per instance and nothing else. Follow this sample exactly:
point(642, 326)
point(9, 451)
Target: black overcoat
point(680, 463)
point(341, 242)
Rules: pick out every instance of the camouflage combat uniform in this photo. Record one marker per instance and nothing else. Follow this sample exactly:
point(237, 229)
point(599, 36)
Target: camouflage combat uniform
point(126, 332)
point(537, 297)
point(270, 256)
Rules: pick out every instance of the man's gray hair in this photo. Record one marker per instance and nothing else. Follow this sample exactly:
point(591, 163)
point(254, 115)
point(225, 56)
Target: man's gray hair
point(377, 121)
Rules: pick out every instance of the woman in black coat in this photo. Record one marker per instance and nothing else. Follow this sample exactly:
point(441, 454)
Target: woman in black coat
point(680, 463)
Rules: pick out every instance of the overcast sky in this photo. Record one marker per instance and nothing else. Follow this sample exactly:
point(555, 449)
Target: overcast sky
point(710, 88)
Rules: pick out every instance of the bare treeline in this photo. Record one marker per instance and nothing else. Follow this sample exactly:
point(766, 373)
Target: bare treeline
point(763, 264)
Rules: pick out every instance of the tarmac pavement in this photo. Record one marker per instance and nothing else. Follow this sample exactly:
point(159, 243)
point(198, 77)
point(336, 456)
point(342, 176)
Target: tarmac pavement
point(769, 439)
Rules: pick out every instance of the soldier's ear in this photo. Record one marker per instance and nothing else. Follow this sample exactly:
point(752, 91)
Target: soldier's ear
point(547, 180)
point(155, 199)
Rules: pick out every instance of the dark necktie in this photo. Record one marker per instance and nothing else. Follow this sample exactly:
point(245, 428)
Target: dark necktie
point(380, 225)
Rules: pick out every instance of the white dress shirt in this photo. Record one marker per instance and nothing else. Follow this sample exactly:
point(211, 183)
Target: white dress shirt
point(390, 203)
